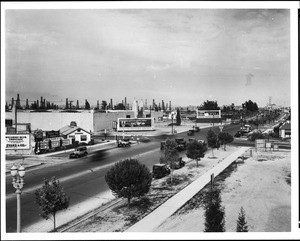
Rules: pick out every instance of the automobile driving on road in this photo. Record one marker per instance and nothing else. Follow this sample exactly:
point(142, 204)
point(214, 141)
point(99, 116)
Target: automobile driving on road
point(79, 152)
point(124, 143)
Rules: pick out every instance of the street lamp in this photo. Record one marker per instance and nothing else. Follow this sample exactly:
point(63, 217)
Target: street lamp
point(221, 127)
point(123, 125)
point(18, 183)
point(172, 114)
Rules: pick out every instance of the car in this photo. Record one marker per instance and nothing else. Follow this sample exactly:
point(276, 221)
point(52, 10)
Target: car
point(178, 163)
point(191, 133)
point(197, 128)
point(238, 134)
point(79, 152)
point(160, 170)
point(181, 144)
point(123, 143)
point(162, 145)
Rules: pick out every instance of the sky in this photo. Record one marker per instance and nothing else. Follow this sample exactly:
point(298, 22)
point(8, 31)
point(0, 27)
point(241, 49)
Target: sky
point(185, 56)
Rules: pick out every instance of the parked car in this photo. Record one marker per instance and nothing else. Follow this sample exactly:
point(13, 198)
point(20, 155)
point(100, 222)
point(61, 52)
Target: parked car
point(181, 144)
point(178, 164)
point(123, 143)
point(197, 128)
point(160, 170)
point(191, 133)
point(238, 134)
point(162, 145)
point(79, 152)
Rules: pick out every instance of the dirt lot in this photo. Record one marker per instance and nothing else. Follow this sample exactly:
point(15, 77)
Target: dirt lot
point(261, 185)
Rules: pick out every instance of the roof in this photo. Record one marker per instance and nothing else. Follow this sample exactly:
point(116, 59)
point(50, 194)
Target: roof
point(66, 130)
point(286, 126)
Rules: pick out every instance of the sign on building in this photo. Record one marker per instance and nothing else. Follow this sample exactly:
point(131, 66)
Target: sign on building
point(208, 116)
point(135, 124)
point(52, 134)
point(17, 142)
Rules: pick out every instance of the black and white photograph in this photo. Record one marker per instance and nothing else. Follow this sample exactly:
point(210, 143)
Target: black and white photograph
point(149, 120)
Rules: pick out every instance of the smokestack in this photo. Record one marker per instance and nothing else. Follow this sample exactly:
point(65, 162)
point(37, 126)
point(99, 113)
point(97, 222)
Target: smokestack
point(27, 105)
point(170, 105)
point(18, 105)
point(12, 102)
point(111, 103)
point(98, 106)
point(125, 103)
point(67, 103)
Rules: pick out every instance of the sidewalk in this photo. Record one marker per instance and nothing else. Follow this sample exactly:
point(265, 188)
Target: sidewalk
point(159, 215)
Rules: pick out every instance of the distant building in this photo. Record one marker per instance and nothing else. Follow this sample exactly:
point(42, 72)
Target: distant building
point(285, 130)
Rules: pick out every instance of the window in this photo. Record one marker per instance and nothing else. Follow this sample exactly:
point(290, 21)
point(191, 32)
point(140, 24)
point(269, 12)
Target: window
point(83, 137)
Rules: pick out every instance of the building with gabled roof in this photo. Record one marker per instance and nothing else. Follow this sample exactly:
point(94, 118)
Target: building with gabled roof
point(285, 130)
point(75, 133)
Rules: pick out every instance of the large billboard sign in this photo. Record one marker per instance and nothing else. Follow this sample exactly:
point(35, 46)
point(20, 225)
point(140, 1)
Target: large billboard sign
point(17, 142)
point(208, 116)
point(135, 124)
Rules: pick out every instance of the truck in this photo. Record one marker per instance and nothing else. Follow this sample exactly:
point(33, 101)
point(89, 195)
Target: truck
point(245, 128)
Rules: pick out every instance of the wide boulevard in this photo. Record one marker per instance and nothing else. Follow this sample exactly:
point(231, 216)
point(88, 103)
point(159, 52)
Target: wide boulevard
point(84, 178)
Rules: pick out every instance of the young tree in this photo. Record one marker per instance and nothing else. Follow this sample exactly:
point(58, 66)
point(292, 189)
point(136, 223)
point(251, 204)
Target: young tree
point(51, 198)
point(128, 179)
point(225, 138)
point(241, 224)
point(178, 118)
point(212, 141)
point(170, 155)
point(214, 212)
point(196, 150)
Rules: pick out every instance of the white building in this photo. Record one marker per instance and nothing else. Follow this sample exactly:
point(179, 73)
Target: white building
point(75, 133)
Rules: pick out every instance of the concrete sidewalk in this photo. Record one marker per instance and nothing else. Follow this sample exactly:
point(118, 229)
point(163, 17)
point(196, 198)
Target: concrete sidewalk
point(159, 215)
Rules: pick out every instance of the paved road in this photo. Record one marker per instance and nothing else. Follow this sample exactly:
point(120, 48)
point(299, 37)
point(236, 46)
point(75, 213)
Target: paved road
point(83, 178)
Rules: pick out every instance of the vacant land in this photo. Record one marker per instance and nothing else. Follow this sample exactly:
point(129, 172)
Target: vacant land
point(261, 185)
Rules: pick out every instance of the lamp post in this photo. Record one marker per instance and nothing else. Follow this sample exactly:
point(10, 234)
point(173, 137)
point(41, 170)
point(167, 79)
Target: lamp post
point(172, 123)
point(221, 127)
point(18, 183)
point(123, 125)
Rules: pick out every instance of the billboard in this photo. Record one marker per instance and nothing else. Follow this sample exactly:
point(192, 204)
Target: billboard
point(135, 124)
point(17, 142)
point(208, 116)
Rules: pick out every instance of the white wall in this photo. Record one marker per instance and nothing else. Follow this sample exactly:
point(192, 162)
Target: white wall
point(104, 120)
point(54, 120)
